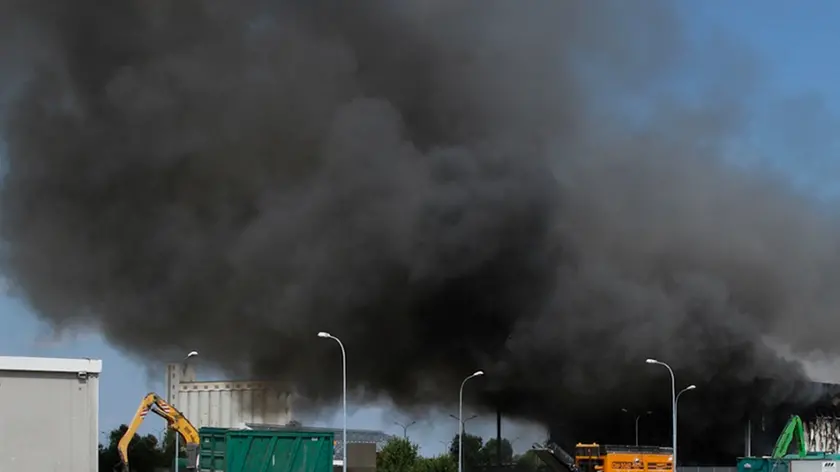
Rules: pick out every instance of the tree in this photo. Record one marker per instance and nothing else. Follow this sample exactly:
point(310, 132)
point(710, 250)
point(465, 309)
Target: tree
point(442, 463)
point(398, 455)
point(489, 453)
point(472, 450)
point(167, 448)
point(144, 452)
point(528, 462)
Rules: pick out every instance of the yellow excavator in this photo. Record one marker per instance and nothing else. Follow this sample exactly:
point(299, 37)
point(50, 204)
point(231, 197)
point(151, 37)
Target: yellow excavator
point(174, 419)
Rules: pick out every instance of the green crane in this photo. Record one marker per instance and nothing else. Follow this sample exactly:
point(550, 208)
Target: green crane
point(793, 431)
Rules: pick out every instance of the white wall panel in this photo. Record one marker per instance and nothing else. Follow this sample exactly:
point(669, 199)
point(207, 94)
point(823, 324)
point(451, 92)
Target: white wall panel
point(49, 416)
point(227, 404)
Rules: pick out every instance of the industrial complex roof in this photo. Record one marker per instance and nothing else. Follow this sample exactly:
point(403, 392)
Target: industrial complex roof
point(50, 364)
point(365, 436)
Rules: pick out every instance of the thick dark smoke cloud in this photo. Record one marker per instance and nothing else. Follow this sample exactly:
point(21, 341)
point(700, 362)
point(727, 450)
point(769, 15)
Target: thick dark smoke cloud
point(445, 186)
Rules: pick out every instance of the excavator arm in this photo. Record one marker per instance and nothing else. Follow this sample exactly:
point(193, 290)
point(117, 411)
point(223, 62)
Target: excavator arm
point(555, 457)
point(174, 419)
point(794, 431)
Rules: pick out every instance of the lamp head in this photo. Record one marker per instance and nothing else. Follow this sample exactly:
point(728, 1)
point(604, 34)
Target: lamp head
point(652, 361)
point(691, 387)
point(478, 372)
point(192, 354)
point(324, 334)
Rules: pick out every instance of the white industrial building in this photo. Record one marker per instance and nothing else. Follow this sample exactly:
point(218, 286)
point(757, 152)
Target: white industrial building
point(253, 404)
point(49, 414)
point(226, 403)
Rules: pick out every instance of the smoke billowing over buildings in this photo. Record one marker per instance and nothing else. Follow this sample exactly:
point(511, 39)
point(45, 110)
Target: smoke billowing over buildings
point(445, 185)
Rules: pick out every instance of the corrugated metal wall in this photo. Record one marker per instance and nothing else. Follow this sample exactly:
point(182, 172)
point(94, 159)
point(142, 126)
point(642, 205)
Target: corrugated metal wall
point(823, 434)
point(48, 421)
point(232, 404)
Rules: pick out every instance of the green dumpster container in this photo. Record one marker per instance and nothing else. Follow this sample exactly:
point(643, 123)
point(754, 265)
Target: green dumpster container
point(762, 464)
point(236, 450)
point(279, 451)
point(211, 453)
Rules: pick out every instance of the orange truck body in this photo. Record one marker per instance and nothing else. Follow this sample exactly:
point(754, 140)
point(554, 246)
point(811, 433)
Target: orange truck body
point(597, 458)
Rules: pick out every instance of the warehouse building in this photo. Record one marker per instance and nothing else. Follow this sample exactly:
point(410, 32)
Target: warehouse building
point(226, 403)
point(739, 432)
point(49, 417)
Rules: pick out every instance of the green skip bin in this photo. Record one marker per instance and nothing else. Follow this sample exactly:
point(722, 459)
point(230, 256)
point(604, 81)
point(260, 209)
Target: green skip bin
point(237, 450)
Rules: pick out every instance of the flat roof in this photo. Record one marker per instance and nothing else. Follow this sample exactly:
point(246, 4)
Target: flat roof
point(50, 364)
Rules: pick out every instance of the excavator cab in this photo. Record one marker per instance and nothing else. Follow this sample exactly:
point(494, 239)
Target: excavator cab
point(174, 419)
point(794, 431)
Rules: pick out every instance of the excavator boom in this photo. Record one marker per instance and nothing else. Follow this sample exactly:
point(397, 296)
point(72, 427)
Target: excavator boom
point(555, 457)
point(793, 431)
point(174, 419)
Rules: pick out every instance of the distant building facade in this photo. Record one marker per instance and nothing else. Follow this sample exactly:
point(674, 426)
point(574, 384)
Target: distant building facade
point(710, 436)
point(253, 405)
point(226, 403)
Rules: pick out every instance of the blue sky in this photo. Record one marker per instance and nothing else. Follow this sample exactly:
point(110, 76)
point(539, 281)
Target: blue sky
point(793, 41)
point(796, 42)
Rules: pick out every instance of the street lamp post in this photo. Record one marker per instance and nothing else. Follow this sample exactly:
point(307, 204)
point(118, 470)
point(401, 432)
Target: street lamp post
point(461, 423)
point(405, 427)
point(465, 420)
point(177, 434)
point(674, 397)
point(324, 334)
point(512, 442)
point(690, 387)
point(638, 417)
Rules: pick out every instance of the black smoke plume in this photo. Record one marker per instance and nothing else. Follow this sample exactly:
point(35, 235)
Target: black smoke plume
point(446, 186)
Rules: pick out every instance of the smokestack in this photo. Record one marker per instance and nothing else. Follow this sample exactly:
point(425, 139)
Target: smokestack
point(748, 438)
point(499, 436)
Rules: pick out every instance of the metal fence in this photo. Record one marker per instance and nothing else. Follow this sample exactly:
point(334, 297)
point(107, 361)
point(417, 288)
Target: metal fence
point(706, 469)
point(513, 468)
point(507, 468)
